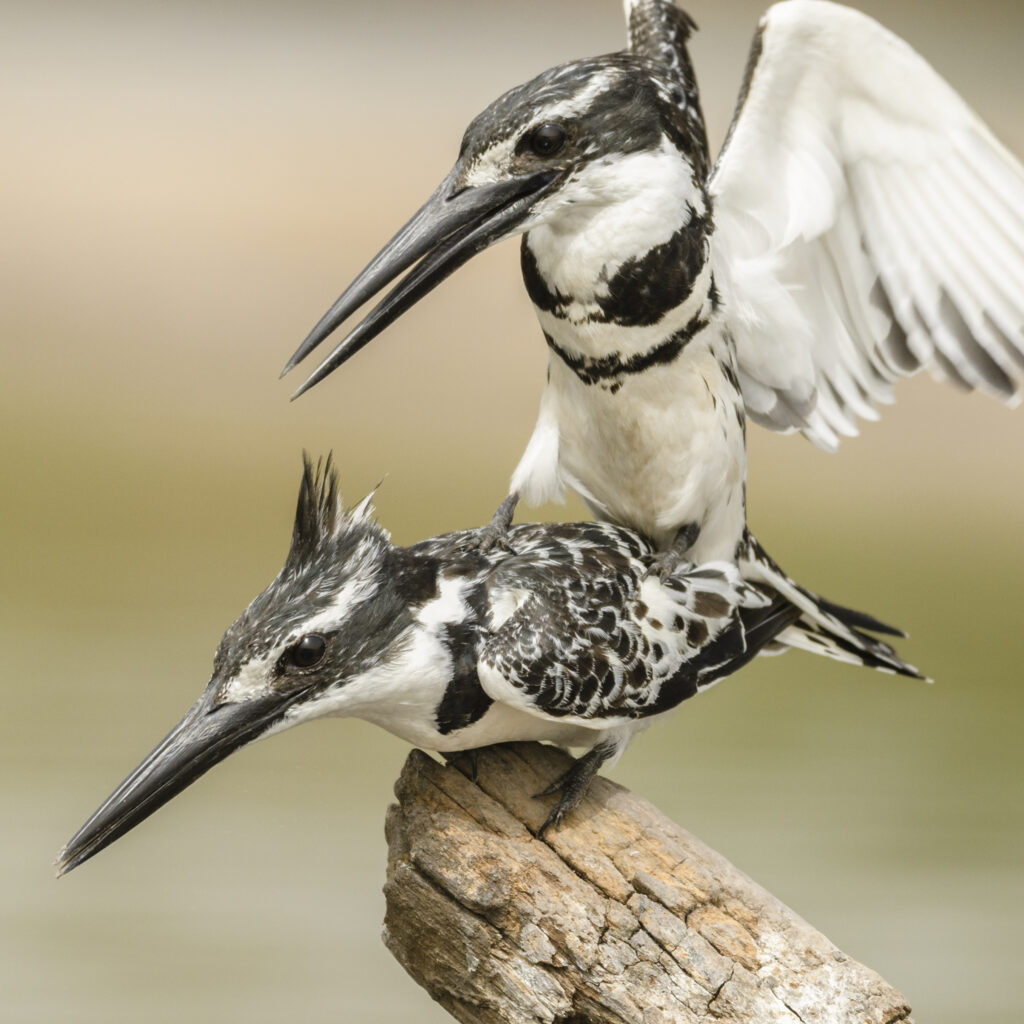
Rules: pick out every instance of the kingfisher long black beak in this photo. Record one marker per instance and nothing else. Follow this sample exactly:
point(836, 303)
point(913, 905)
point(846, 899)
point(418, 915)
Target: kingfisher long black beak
point(451, 227)
point(207, 734)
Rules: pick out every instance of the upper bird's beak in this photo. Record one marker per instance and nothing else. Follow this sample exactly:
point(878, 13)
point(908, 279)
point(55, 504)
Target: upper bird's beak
point(451, 227)
point(208, 733)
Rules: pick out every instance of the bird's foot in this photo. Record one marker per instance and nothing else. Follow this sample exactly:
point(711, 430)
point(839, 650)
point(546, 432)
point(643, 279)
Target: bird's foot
point(494, 536)
point(665, 563)
point(574, 784)
point(472, 756)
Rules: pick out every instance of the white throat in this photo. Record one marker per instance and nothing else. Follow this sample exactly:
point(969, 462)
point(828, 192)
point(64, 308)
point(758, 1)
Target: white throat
point(610, 211)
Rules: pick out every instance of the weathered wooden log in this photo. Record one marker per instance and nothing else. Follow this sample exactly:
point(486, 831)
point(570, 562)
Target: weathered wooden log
point(619, 916)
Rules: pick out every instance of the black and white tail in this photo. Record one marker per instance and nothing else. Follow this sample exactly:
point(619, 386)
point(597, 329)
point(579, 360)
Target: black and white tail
point(823, 627)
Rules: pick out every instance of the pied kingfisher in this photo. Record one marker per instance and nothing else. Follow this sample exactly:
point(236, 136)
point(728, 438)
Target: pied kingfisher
point(569, 640)
point(859, 224)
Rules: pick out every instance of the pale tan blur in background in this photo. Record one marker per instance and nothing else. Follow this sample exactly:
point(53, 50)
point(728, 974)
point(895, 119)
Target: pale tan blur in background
point(184, 189)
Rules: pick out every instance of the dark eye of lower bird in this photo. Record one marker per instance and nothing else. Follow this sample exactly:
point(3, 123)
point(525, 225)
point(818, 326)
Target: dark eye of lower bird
point(307, 653)
point(547, 139)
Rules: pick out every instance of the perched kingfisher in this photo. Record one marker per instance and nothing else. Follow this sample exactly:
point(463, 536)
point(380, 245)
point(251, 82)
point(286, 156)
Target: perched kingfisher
point(859, 224)
point(570, 640)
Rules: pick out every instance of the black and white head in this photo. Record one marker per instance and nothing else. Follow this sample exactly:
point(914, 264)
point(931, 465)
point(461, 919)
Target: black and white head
point(296, 653)
point(576, 140)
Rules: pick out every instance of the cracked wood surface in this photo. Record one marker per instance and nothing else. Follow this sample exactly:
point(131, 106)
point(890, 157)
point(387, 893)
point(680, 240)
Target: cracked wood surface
point(617, 917)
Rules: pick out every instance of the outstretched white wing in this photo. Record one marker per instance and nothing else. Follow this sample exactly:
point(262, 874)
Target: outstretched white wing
point(867, 224)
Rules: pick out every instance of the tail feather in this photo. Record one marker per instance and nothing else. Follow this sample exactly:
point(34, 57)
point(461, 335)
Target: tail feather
point(758, 627)
point(823, 627)
point(858, 620)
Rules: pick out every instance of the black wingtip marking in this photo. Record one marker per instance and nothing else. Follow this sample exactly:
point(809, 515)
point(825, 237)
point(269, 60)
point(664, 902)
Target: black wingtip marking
point(943, 361)
point(858, 620)
point(895, 344)
point(1015, 351)
point(991, 372)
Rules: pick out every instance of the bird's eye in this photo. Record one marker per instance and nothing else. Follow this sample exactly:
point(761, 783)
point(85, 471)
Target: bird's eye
point(307, 653)
point(547, 139)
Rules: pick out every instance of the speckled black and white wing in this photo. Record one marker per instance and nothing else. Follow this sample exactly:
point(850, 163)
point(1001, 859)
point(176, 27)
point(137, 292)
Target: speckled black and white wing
point(868, 224)
point(578, 634)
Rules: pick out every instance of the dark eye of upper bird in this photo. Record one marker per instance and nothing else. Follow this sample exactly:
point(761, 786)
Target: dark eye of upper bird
point(547, 139)
point(307, 653)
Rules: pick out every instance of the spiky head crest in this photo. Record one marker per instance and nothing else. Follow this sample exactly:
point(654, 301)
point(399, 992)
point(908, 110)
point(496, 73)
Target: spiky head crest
point(337, 560)
point(324, 529)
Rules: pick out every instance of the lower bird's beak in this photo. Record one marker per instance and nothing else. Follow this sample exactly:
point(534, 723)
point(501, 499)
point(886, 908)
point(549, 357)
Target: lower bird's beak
point(208, 733)
point(450, 228)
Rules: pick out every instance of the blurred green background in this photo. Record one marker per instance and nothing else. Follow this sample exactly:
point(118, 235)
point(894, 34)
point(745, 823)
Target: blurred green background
point(185, 188)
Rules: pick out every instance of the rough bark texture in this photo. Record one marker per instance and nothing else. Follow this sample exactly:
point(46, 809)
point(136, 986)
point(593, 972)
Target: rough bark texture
point(617, 917)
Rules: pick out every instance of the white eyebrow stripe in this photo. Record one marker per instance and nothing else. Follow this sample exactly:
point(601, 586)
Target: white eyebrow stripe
point(355, 591)
point(573, 106)
point(493, 163)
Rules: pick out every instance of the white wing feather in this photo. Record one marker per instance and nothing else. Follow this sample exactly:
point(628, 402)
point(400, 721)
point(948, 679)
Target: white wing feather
point(867, 224)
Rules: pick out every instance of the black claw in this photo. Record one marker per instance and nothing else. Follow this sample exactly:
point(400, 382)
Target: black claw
point(554, 818)
point(574, 784)
point(452, 757)
point(665, 563)
point(494, 536)
point(555, 787)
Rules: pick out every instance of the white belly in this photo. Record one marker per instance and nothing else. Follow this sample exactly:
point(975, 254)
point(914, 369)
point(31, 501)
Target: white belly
point(665, 450)
point(500, 723)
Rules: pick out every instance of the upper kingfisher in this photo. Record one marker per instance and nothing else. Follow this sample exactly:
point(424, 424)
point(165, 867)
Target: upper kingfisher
point(860, 223)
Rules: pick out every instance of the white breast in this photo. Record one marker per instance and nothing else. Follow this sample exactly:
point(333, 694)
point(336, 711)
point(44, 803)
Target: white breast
point(664, 450)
